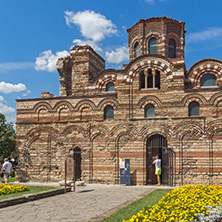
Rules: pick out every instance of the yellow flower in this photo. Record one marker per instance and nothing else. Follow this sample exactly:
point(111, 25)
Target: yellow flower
point(8, 189)
point(182, 204)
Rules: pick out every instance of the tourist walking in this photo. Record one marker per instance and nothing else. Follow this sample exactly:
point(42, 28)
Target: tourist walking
point(157, 163)
point(6, 169)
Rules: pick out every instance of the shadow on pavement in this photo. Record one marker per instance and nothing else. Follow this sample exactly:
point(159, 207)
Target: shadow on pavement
point(84, 191)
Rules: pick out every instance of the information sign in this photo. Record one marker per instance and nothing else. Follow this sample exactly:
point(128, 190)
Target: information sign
point(124, 171)
point(122, 163)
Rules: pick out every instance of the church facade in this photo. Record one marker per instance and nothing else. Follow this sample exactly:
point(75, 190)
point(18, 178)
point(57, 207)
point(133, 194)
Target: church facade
point(151, 106)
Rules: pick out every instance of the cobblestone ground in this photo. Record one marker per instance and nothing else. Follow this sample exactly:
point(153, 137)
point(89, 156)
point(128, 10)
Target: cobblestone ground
point(87, 202)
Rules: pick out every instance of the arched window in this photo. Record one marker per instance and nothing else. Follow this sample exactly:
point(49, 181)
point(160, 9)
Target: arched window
point(150, 79)
point(142, 81)
point(157, 79)
point(137, 50)
point(153, 46)
point(108, 112)
point(110, 87)
point(208, 80)
point(171, 49)
point(149, 111)
point(194, 109)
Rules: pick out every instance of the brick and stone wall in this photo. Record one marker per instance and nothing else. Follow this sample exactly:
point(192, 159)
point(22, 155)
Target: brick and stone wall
point(48, 128)
point(163, 29)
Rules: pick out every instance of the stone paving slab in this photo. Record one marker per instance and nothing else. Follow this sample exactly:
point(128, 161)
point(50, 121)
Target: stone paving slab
point(86, 203)
point(115, 209)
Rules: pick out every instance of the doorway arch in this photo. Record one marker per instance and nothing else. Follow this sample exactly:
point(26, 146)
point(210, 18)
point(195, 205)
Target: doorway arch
point(77, 158)
point(157, 145)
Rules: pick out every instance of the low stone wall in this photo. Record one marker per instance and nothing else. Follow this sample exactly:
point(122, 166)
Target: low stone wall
point(32, 197)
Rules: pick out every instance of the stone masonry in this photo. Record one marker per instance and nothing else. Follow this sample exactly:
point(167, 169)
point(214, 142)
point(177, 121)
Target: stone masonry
point(49, 128)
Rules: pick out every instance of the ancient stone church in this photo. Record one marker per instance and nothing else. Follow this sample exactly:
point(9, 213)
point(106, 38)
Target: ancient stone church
point(151, 106)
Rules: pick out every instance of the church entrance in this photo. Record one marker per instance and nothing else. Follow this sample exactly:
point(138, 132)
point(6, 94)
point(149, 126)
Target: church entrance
point(157, 145)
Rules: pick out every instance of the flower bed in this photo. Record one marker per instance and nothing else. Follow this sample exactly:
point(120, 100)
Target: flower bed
point(8, 189)
point(187, 203)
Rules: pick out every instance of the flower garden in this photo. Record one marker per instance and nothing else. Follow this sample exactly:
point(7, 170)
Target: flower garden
point(185, 204)
point(8, 189)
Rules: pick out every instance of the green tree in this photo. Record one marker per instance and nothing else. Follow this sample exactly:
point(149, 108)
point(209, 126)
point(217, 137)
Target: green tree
point(7, 139)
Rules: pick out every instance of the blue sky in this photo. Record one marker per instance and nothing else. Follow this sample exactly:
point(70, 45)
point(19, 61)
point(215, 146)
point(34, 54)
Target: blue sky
point(34, 33)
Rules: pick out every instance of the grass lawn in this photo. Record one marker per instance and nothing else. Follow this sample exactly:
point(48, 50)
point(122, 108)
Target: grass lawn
point(10, 179)
point(33, 189)
point(127, 212)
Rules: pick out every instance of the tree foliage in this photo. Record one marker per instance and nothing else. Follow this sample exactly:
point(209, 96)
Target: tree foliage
point(7, 139)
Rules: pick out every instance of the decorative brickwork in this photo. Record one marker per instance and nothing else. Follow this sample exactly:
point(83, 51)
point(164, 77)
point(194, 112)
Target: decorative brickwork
point(49, 128)
point(162, 29)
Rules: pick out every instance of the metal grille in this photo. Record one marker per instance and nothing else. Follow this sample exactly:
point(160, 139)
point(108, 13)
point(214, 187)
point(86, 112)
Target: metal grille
point(157, 145)
point(77, 158)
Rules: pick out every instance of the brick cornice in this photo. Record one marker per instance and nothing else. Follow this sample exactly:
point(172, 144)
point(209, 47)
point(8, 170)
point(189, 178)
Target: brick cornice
point(155, 19)
point(200, 62)
point(70, 97)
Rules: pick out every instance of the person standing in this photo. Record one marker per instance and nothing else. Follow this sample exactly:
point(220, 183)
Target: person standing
point(7, 169)
point(157, 163)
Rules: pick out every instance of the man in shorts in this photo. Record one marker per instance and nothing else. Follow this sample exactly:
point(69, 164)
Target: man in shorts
point(157, 163)
point(7, 169)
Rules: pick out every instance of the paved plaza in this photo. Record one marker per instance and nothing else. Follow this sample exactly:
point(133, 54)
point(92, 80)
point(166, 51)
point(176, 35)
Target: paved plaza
point(86, 203)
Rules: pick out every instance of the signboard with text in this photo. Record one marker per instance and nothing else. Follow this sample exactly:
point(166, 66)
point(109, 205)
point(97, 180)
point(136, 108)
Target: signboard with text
point(124, 171)
point(122, 163)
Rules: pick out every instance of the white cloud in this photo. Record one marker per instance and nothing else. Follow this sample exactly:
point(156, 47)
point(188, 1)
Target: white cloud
point(210, 33)
point(8, 66)
point(6, 110)
point(11, 119)
point(153, 1)
point(92, 25)
point(119, 55)
point(93, 44)
point(9, 112)
point(9, 88)
point(26, 94)
point(150, 1)
point(47, 60)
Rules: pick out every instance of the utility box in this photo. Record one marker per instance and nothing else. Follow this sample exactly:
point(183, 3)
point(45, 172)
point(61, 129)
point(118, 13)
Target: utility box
point(124, 171)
